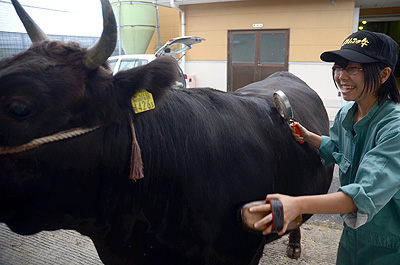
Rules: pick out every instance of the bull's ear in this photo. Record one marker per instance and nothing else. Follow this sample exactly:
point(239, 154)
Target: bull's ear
point(157, 77)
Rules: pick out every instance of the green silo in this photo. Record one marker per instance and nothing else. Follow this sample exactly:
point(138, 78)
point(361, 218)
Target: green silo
point(136, 24)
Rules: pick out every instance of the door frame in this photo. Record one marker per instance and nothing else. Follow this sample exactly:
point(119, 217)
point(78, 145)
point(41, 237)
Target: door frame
point(257, 65)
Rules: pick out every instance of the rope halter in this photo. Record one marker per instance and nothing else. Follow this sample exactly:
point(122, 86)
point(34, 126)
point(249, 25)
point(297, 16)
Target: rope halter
point(46, 139)
point(136, 164)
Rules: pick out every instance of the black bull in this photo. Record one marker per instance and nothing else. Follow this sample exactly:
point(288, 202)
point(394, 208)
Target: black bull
point(205, 154)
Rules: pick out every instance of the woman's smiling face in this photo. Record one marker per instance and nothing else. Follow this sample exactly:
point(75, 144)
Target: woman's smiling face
point(351, 84)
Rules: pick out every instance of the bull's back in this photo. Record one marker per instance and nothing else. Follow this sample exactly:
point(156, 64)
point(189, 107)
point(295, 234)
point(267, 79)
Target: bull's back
point(307, 106)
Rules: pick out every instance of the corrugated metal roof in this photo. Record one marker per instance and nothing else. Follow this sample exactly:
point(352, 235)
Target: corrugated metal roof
point(57, 17)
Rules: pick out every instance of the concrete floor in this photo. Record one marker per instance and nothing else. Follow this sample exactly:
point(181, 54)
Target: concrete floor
point(63, 247)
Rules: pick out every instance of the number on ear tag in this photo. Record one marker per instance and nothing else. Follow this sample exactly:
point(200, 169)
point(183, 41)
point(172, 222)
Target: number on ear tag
point(142, 101)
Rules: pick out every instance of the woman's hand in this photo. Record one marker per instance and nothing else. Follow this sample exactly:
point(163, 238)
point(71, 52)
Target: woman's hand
point(309, 137)
point(290, 211)
point(304, 133)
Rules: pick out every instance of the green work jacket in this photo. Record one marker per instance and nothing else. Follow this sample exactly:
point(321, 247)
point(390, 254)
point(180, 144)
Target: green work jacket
point(368, 156)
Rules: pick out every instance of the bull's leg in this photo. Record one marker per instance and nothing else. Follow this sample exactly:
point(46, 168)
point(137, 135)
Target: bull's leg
point(293, 250)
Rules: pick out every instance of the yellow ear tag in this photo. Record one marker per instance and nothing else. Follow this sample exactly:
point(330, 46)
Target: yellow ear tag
point(142, 101)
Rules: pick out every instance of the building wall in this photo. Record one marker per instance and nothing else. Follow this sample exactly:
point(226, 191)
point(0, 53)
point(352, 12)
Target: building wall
point(315, 26)
point(170, 27)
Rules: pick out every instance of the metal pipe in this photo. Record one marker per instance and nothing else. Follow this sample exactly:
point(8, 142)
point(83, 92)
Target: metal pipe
point(158, 28)
point(119, 28)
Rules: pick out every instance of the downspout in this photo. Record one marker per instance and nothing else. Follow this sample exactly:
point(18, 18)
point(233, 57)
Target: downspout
point(119, 29)
point(158, 28)
point(356, 19)
point(172, 2)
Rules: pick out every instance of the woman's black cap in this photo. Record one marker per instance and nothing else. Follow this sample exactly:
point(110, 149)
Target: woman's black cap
point(366, 47)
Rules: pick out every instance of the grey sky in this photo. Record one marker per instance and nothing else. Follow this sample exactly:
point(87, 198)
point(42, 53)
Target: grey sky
point(59, 17)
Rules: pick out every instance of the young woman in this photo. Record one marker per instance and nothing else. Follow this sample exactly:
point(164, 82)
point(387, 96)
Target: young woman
point(365, 143)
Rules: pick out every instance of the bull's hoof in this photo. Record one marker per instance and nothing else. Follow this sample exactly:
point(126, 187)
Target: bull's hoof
point(293, 251)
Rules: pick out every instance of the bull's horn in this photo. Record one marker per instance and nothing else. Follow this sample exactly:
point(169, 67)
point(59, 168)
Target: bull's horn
point(104, 47)
point(35, 33)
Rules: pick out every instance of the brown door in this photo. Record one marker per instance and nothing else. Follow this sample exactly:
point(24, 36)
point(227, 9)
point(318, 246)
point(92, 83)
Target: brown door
point(255, 54)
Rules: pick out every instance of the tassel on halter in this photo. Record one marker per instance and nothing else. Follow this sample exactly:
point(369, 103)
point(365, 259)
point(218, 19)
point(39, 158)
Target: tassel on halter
point(136, 168)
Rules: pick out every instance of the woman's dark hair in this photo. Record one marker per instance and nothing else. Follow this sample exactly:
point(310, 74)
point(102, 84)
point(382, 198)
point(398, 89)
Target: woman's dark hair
point(372, 81)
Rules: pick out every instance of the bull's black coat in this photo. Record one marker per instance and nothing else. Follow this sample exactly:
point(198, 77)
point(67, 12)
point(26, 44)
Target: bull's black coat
point(205, 154)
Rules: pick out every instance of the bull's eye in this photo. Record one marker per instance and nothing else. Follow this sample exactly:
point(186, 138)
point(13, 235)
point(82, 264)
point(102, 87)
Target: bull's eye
point(18, 110)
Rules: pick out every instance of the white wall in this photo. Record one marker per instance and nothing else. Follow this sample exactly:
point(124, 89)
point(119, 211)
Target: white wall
point(317, 75)
point(208, 73)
